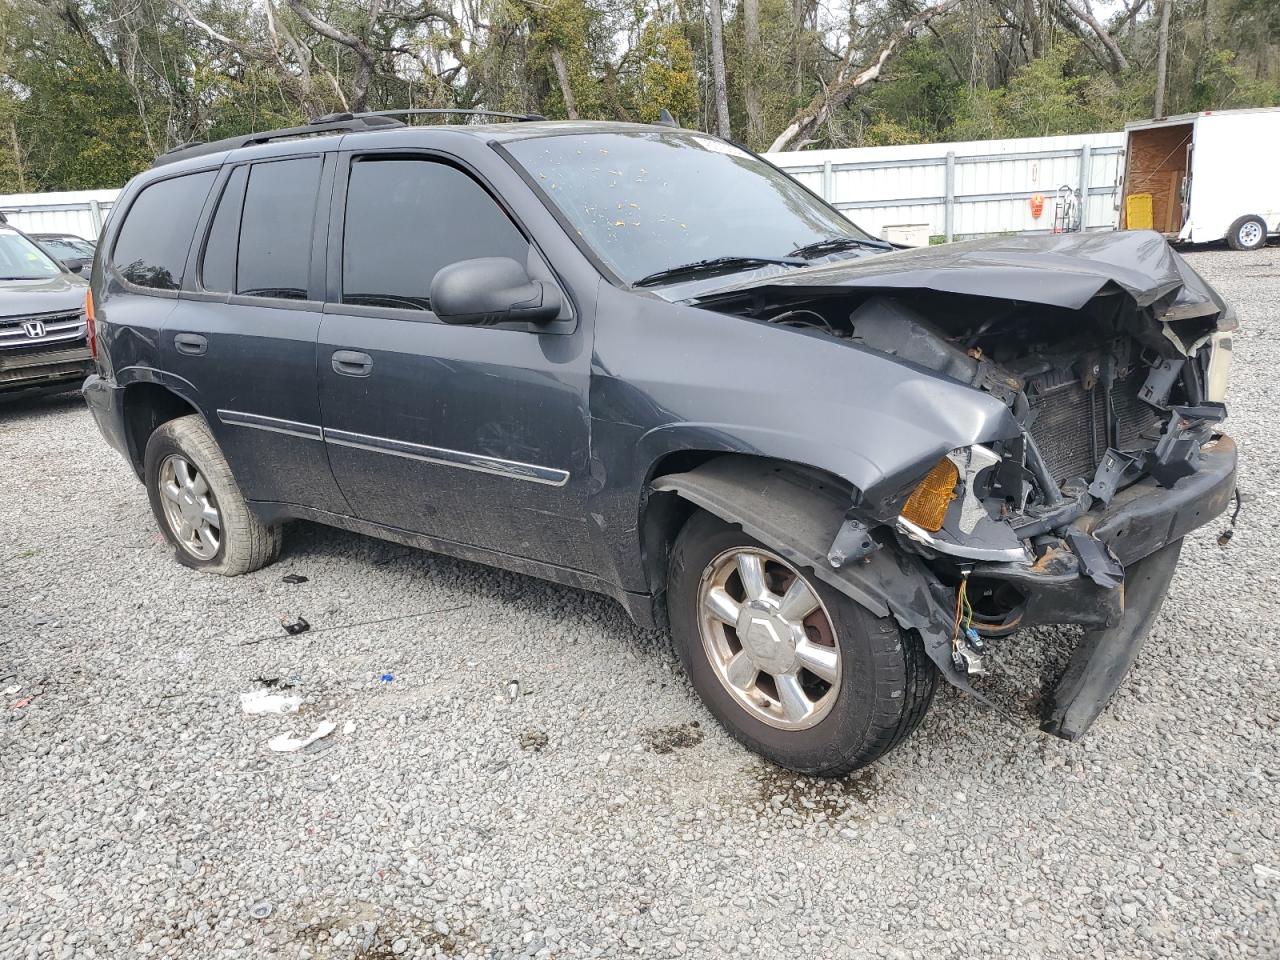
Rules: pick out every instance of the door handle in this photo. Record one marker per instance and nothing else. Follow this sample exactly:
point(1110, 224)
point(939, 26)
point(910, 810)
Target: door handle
point(352, 363)
point(191, 343)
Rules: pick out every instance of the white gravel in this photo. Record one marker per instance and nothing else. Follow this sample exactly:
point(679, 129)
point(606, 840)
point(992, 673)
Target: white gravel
point(600, 812)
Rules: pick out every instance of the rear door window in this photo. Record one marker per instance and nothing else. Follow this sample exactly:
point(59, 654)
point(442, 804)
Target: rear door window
point(407, 218)
point(151, 248)
point(274, 257)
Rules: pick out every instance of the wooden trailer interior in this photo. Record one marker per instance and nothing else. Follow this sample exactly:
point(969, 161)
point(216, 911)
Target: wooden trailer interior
point(1156, 162)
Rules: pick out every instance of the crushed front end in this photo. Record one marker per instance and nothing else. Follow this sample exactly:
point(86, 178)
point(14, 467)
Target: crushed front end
point(1112, 356)
point(1079, 518)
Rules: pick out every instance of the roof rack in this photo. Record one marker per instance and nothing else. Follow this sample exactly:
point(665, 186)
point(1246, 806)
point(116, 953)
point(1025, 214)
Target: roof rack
point(330, 123)
point(334, 123)
point(421, 111)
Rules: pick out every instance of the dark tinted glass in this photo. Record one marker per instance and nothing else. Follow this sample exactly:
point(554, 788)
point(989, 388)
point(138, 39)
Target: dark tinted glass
point(151, 248)
point(218, 270)
point(649, 200)
point(274, 259)
point(408, 218)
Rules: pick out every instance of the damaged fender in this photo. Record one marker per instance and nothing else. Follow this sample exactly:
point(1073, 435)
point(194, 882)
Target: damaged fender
point(795, 516)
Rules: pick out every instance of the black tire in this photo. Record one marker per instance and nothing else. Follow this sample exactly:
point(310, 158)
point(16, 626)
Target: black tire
point(1255, 230)
point(886, 681)
point(245, 543)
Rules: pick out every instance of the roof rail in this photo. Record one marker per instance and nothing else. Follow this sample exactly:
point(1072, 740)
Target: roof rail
point(333, 123)
point(419, 111)
point(330, 123)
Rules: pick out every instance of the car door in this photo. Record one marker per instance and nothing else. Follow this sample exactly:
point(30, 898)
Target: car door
point(244, 338)
point(476, 435)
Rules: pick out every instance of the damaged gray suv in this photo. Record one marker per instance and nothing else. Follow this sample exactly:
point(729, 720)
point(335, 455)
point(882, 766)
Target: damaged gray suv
point(642, 361)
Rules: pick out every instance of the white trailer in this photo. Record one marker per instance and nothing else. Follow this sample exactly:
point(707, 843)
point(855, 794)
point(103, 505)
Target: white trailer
point(1206, 176)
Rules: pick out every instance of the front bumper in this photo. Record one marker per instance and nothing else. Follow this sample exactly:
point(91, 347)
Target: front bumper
point(1140, 520)
point(1142, 527)
point(23, 372)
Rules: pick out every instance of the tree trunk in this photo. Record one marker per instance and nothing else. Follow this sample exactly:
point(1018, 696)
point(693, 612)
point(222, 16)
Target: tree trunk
point(845, 84)
point(797, 32)
point(566, 91)
point(751, 72)
point(717, 69)
point(1083, 13)
point(1162, 57)
point(18, 166)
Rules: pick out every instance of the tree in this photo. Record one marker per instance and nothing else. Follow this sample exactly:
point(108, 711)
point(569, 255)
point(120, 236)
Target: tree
point(91, 90)
point(717, 68)
point(847, 83)
point(1162, 57)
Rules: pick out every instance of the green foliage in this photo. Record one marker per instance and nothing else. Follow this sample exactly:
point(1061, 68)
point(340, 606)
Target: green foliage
point(1047, 97)
point(667, 77)
point(919, 99)
point(76, 125)
point(91, 90)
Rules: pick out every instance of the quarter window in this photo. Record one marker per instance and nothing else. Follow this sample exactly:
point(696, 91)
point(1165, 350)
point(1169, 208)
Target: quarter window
point(218, 270)
point(405, 219)
point(274, 257)
point(151, 248)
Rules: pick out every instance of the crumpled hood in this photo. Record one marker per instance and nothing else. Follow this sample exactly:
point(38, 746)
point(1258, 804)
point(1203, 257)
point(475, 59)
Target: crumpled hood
point(1062, 270)
point(63, 291)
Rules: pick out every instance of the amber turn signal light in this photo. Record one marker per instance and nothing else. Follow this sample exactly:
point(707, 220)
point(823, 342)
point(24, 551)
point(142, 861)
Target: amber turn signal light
point(927, 505)
point(90, 324)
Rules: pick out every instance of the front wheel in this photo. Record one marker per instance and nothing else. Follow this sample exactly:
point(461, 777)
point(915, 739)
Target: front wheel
point(1247, 233)
point(791, 667)
point(198, 504)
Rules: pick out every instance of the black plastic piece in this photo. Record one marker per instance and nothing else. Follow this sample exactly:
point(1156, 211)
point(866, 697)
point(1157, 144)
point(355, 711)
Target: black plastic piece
point(1110, 473)
point(297, 626)
point(1145, 516)
point(1160, 381)
point(1096, 561)
point(489, 290)
point(1104, 657)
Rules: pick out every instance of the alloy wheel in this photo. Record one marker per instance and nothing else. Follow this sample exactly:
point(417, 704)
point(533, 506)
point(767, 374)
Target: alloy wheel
point(769, 638)
point(190, 507)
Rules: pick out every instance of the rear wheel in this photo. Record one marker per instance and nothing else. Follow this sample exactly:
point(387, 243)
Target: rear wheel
point(791, 667)
point(1247, 233)
point(198, 505)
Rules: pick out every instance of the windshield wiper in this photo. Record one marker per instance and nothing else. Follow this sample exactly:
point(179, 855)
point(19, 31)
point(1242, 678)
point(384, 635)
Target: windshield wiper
point(714, 265)
point(834, 244)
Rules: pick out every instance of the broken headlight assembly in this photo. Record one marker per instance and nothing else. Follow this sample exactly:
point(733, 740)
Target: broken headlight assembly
point(1218, 370)
point(948, 510)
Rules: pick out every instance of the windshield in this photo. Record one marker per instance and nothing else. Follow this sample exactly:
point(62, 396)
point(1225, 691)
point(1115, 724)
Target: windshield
point(67, 248)
point(20, 259)
point(646, 201)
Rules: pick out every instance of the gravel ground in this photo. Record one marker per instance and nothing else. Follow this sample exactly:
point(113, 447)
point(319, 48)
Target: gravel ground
point(600, 812)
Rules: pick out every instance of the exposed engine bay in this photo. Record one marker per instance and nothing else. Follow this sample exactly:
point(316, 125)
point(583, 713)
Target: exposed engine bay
point(1106, 397)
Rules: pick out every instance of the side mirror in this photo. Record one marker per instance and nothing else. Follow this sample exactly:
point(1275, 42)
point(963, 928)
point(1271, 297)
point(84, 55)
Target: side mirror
point(490, 290)
point(76, 266)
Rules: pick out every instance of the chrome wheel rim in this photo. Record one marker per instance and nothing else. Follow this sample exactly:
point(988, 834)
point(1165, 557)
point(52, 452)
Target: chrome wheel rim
point(769, 638)
point(190, 508)
point(1250, 234)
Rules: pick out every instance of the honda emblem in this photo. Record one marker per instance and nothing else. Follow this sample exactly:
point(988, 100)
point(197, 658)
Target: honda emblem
point(34, 329)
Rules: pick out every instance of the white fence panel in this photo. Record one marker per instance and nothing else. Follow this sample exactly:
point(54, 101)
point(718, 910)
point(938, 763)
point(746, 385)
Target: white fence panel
point(81, 212)
point(966, 188)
